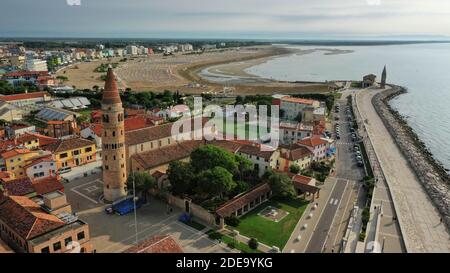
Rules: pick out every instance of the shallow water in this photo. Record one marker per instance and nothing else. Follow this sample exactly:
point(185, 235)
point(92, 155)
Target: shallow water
point(422, 68)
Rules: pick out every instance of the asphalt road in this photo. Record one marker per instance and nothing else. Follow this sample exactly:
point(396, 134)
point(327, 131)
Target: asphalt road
point(347, 172)
point(322, 229)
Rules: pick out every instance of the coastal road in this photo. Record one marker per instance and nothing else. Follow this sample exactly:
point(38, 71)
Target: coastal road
point(331, 227)
point(419, 220)
point(321, 231)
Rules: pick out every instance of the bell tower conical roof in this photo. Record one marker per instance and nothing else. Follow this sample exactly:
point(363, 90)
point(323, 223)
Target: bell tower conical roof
point(111, 92)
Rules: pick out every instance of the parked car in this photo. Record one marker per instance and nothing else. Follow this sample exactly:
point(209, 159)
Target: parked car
point(358, 158)
point(360, 164)
point(338, 136)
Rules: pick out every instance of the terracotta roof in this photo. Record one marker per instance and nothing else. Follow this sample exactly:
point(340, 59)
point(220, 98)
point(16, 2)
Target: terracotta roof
point(26, 217)
point(241, 200)
point(37, 160)
point(158, 157)
point(24, 96)
point(296, 152)
point(157, 244)
point(137, 122)
point(298, 100)
point(230, 146)
point(255, 150)
point(152, 133)
point(47, 185)
point(14, 152)
point(312, 141)
point(19, 187)
point(26, 137)
point(111, 92)
point(68, 144)
point(302, 182)
point(43, 140)
point(26, 74)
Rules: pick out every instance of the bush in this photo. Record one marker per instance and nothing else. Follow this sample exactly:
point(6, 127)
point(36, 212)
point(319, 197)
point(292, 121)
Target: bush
point(215, 235)
point(253, 243)
point(231, 245)
point(232, 221)
point(294, 169)
point(362, 236)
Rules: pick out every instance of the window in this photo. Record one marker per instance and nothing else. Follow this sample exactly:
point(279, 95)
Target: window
point(142, 147)
point(114, 157)
point(45, 250)
point(76, 152)
point(114, 133)
point(67, 241)
point(88, 149)
point(80, 236)
point(57, 246)
point(63, 155)
point(106, 167)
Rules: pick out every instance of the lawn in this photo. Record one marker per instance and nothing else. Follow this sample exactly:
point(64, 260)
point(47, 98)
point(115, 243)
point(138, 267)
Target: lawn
point(267, 231)
point(229, 241)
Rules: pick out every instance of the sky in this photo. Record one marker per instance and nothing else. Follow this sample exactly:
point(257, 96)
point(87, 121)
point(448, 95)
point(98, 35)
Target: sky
point(252, 19)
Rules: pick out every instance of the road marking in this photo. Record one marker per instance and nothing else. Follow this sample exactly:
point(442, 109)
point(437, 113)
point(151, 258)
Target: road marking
point(331, 201)
point(336, 202)
point(85, 196)
point(334, 217)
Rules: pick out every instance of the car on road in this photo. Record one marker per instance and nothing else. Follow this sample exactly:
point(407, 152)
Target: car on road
point(338, 136)
point(360, 163)
point(358, 153)
point(358, 158)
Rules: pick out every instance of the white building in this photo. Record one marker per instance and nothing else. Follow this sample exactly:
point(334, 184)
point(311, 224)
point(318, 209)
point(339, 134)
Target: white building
point(262, 159)
point(41, 167)
point(292, 132)
point(131, 50)
point(318, 146)
point(185, 47)
point(292, 107)
point(36, 65)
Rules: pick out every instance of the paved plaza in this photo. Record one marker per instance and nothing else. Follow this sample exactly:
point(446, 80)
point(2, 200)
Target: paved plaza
point(113, 233)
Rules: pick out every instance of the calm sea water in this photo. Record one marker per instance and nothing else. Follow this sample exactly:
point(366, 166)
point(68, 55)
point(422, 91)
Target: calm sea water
point(422, 68)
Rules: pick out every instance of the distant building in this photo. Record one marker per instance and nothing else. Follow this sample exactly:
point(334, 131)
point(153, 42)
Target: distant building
point(17, 77)
point(26, 99)
point(9, 112)
point(36, 65)
point(369, 80)
point(292, 132)
point(291, 107)
point(132, 50)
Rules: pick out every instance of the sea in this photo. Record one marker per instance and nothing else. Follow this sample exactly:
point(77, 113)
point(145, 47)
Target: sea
point(424, 69)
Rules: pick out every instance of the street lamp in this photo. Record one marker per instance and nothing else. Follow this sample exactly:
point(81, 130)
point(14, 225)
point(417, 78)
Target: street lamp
point(135, 216)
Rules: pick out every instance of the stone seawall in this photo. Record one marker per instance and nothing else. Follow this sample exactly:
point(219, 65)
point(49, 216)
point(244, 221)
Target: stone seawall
point(431, 173)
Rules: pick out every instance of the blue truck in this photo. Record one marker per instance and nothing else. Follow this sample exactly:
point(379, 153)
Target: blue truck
point(124, 206)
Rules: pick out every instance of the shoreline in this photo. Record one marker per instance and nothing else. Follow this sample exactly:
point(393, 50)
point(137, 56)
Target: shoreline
point(430, 172)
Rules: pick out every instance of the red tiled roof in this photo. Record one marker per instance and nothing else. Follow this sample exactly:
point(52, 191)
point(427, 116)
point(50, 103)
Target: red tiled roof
point(43, 140)
point(68, 144)
point(255, 150)
point(24, 96)
point(157, 244)
point(19, 187)
point(47, 185)
point(26, 217)
point(296, 152)
point(158, 157)
point(14, 152)
point(298, 100)
point(312, 141)
point(26, 74)
point(137, 122)
point(4, 248)
point(241, 200)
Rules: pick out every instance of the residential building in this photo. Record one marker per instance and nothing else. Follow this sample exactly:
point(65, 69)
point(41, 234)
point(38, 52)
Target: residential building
point(318, 147)
point(294, 154)
point(72, 152)
point(28, 227)
point(9, 112)
point(292, 132)
point(132, 50)
point(369, 80)
point(291, 107)
point(31, 187)
point(25, 99)
point(263, 158)
point(16, 159)
point(41, 167)
point(36, 65)
point(17, 129)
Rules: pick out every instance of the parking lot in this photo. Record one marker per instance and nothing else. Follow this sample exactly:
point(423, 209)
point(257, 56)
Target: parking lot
point(113, 233)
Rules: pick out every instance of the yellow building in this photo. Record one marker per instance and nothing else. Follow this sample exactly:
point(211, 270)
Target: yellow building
point(294, 155)
point(72, 152)
point(16, 159)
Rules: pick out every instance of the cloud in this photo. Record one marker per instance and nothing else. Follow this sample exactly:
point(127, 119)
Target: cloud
point(204, 17)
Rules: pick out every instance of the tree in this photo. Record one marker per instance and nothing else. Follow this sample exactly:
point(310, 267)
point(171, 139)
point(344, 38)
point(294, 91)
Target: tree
point(281, 185)
point(239, 100)
point(6, 88)
point(253, 243)
point(208, 156)
point(181, 177)
point(294, 168)
point(62, 79)
point(215, 182)
point(244, 165)
point(143, 183)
